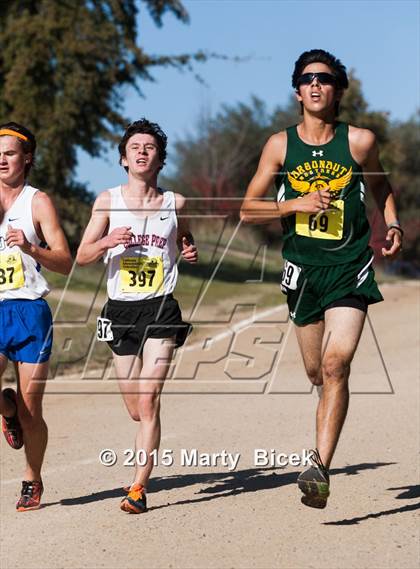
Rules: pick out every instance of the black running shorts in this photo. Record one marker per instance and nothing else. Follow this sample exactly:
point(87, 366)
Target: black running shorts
point(133, 322)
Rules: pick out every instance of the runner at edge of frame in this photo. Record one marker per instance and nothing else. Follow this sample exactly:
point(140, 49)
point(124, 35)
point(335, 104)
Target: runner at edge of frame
point(30, 238)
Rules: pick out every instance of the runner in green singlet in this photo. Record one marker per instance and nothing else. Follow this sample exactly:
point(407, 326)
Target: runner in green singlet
point(322, 169)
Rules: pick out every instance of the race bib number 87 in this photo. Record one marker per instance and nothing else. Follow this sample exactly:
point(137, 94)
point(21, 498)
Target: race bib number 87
point(322, 225)
point(141, 274)
point(11, 271)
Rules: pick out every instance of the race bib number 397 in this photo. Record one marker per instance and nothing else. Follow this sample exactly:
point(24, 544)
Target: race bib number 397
point(11, 271)
point(141, 274)
point(323, 225)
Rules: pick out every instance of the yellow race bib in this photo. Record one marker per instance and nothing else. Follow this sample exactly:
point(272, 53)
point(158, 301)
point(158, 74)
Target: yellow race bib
point(323, 225)
point(11, 271)
point(141, 274)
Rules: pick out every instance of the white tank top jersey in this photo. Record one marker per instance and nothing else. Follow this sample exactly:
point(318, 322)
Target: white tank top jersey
point(20, 274)
point(147, 267)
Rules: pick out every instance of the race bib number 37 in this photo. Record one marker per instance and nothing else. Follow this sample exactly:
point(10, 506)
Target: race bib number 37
point(11, 271)
point(141, 274)
point(322, 225)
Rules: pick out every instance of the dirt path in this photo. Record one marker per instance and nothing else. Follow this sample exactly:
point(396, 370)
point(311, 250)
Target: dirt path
point(251, 516)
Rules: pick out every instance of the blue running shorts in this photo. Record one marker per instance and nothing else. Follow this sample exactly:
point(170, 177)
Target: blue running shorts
point(26, 331)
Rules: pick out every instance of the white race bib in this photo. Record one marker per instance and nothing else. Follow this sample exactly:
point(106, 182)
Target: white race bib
point(104, 330)
point(290, 275)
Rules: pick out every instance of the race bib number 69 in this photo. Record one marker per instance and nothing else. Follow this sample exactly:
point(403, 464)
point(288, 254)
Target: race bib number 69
point(290, 276)
point(322, 225)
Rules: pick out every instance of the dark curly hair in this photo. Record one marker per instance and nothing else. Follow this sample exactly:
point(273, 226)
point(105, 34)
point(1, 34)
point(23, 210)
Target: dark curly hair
point(28, 146)
point(143, 126)
point(321, 56)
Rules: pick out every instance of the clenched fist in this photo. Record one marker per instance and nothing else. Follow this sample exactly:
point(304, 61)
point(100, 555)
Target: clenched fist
point(16, 237)
point(314, 202)
point(118, 236)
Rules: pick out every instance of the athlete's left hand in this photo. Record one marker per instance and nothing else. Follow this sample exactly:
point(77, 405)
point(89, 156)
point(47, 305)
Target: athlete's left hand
point(189, 251)
point(395, 238)
point(17, 237)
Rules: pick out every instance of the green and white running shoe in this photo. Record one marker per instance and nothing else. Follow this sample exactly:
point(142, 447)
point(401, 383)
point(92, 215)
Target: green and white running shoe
point(314, 482)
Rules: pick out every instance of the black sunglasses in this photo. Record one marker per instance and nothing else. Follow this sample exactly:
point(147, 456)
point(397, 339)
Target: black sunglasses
point(323, 78)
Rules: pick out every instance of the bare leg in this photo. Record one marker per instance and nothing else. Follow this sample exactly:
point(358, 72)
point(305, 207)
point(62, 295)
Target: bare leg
point(7, 409)
point(128, 371)
point(310, 343)
point(32, 378)
point(343, 327)
point(157, 357)
point(142, 397)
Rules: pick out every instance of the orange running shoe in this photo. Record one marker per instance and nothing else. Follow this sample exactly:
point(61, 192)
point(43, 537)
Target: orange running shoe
point(10, 426)
point(135, 501)
point(30, 497)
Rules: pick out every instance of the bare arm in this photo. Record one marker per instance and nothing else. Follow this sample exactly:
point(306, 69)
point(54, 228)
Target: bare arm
point(57, 258)
point(96, 242)
point(185, 239)
point(365, 152)
point(256, 208)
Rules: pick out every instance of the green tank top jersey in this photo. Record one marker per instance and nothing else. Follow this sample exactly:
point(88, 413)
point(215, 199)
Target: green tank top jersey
point(340, 234)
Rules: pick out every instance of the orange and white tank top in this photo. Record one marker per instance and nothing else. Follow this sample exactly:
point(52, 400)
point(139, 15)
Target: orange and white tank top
point(20, 274)
point(147, 267)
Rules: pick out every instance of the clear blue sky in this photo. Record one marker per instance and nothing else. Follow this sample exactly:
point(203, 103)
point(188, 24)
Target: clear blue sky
point(379, 39)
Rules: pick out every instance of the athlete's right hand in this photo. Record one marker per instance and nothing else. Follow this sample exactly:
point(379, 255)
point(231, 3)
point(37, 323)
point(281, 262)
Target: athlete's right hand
point(118, 236)
point(314, 202)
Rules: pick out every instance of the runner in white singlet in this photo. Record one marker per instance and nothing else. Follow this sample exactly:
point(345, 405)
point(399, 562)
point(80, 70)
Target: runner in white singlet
point(28, 220)
point(137, 229)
